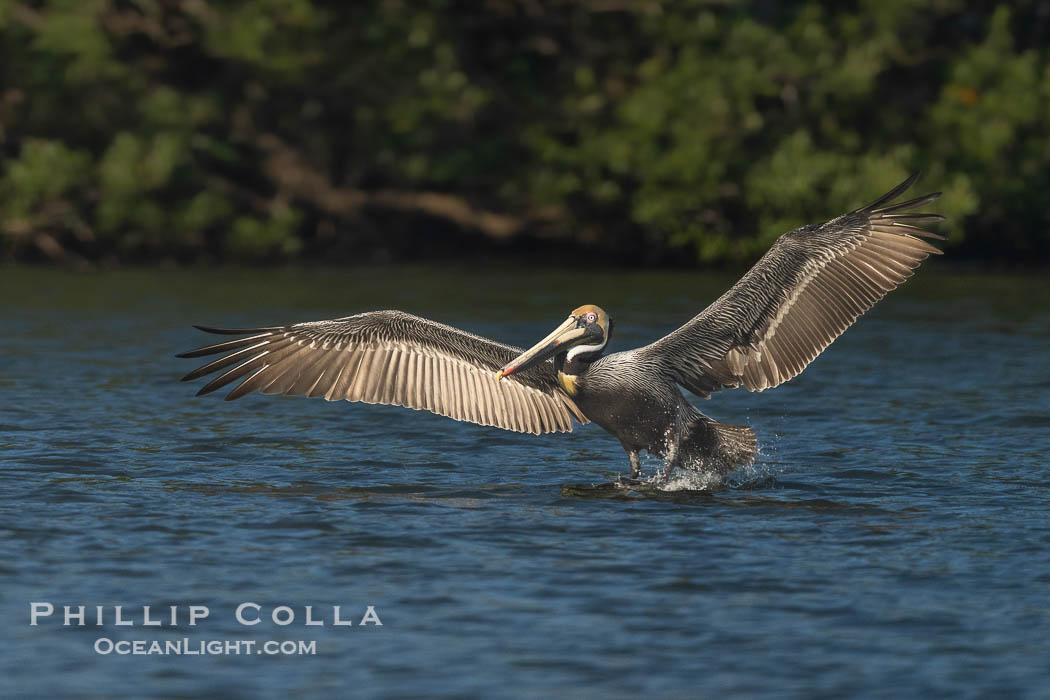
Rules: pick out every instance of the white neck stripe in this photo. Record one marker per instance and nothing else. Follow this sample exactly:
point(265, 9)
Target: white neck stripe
point(584, 349)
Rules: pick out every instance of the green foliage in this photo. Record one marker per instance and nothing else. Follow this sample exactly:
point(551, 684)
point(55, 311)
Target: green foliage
point(655, 130)
point(43, 172)
point(253, 237)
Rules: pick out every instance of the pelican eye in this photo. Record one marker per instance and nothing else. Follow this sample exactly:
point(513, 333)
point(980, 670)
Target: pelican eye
point(591, 317)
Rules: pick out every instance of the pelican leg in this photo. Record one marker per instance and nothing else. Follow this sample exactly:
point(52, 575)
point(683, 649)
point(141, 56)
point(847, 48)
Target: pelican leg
point(636, 467)
point(671, 458)
point(671, 461)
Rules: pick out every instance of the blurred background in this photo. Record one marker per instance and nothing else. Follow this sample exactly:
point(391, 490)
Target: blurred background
point(632, 132)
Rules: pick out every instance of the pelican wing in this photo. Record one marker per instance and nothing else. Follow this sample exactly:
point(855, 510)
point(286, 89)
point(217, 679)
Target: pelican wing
point(801, 295)
point(391, 357)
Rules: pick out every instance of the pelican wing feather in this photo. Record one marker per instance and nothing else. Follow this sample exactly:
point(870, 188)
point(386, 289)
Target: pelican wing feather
point(395, 358)
point(803, 293)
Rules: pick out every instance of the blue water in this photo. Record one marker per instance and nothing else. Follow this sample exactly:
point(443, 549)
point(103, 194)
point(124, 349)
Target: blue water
point(893, 537)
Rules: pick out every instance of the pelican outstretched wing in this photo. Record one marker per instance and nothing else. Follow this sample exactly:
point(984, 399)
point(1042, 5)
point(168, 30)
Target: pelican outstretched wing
point(801, 295)
point(391, 357)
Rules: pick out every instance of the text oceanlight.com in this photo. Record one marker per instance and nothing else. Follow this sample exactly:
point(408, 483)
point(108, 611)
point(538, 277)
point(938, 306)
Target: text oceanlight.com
point(213, 647)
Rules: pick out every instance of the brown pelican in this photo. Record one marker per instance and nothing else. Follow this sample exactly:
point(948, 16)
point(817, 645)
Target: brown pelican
point(801, 295)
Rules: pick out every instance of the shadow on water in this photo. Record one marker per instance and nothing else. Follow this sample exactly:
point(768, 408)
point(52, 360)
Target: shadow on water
point(757, 492)
point(737, 495)
point(322, 492)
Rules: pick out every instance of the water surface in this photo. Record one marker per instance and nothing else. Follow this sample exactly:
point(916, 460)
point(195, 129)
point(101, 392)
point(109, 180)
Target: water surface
point(892, 538)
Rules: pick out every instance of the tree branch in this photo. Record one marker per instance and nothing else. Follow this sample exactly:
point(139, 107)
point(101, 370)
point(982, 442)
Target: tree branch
point(297, 178)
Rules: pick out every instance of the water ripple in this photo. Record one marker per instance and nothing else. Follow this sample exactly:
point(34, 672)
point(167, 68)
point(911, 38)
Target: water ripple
point(892, 538)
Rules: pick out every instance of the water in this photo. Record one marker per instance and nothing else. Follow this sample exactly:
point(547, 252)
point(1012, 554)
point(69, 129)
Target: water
point(893, 537)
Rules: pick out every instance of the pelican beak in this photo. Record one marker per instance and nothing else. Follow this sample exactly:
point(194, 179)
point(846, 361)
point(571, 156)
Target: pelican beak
point(562, 338)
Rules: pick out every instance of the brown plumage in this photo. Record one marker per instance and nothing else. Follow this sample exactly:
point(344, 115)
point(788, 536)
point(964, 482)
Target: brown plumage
point(801, 295)
point(390, 357)
point(804, 292)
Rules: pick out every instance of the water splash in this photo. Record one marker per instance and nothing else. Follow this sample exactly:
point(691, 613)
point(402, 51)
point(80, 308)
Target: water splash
point(689, 480)
point(698, 476)
point(760, 473)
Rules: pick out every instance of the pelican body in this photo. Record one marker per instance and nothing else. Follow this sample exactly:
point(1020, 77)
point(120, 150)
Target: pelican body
point(802, 294)
point(633, 396)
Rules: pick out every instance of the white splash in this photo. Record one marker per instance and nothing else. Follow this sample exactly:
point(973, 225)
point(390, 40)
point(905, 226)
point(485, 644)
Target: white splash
point(689, 480)
point(695, 475)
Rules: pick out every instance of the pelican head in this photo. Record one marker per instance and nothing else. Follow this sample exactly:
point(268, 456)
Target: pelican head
point(585, 332)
